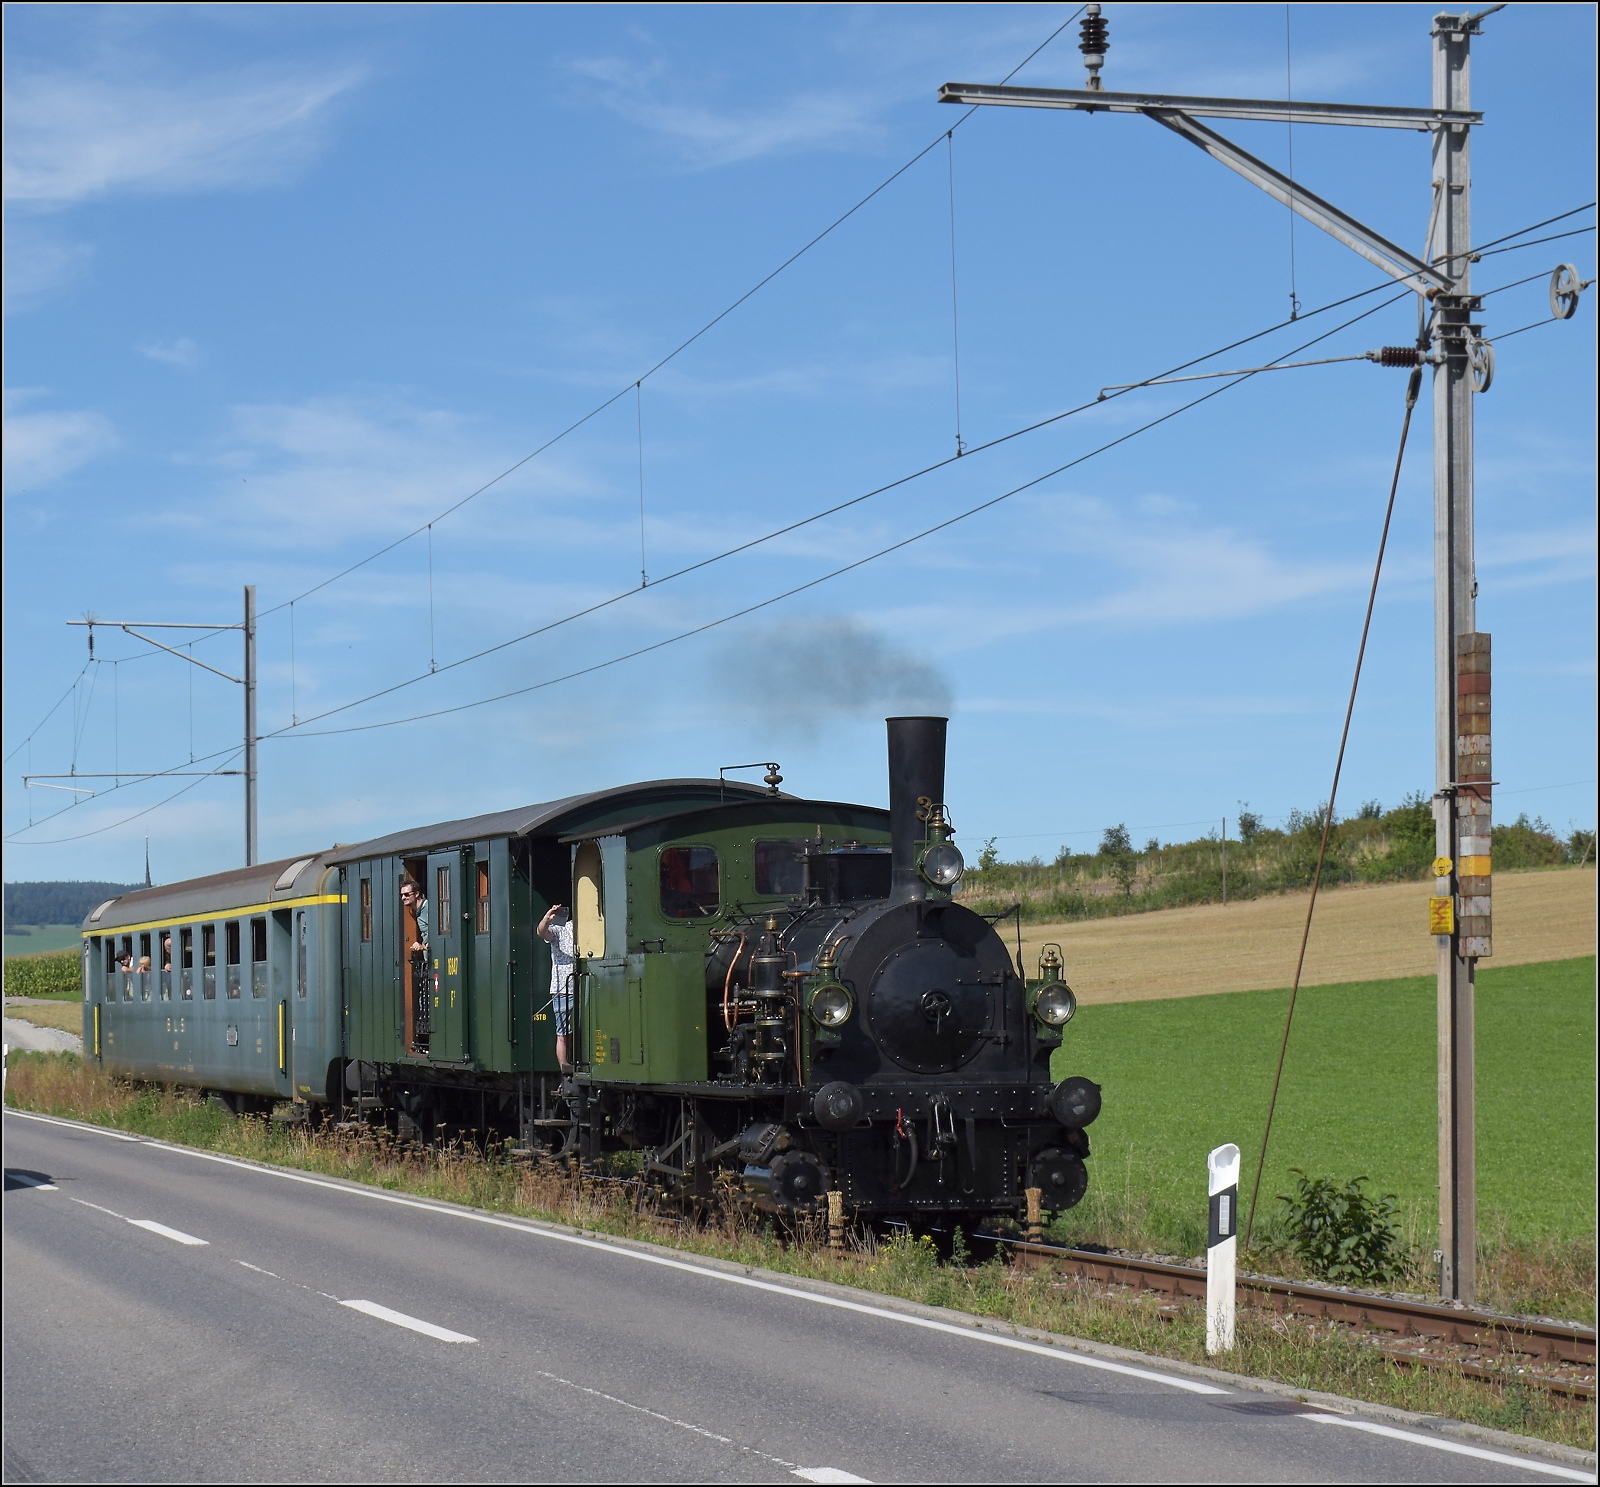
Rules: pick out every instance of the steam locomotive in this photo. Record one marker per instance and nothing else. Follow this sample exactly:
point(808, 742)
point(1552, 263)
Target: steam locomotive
point(779, 991)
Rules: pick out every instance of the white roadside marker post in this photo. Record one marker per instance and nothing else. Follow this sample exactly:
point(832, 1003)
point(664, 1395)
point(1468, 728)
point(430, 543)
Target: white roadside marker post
point(1222, 1247)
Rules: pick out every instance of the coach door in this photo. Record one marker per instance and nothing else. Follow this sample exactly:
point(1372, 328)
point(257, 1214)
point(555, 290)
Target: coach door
point(448, 948)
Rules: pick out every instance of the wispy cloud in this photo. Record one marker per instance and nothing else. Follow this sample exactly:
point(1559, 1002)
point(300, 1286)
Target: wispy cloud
point(180, 353)
point(45, 445)
point(38, 262)
point(75, 136)
point(649, 95)
point(307, 476)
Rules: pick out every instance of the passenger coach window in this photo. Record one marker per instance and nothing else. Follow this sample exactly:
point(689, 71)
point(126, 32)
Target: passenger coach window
point(483, 898)
point(780, 869)
point(144, 968)
point(125, 961)
point(186, 963)
point(232, 930)
point(366, 908)
point(441, 899)
point(258, 957)
point(111, 968)
point(165, 937)
point(208, 961)
point(300, 952)
point(690, 883)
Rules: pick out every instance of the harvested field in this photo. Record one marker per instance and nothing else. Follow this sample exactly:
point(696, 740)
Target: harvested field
point(1359, 934)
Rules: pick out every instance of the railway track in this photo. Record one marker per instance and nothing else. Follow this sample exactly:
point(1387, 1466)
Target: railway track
point(1541, 1354)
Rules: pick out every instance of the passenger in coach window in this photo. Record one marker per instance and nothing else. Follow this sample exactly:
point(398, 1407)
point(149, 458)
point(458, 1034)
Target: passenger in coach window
point(417, 901)
point(166, 952)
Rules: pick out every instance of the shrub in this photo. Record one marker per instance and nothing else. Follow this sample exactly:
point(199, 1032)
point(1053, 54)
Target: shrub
point(59, 974)
point(1342, 1234)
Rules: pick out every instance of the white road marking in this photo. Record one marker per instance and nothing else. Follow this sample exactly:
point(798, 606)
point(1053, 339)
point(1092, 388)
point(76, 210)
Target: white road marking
point(258, 1270)
point(970, 1333)
point(1527, 1463)
point(174, 1234)
point(97, 1208)
point(32, 1182)
point(805, 1473)
point(400, 1319)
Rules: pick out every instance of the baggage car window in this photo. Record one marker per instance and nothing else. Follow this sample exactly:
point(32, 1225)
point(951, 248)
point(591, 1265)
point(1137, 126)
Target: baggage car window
point(483, 898)
point(781, 869)
point(691, 885)
point(441, 898)
point(366, 908)
point(258, 957)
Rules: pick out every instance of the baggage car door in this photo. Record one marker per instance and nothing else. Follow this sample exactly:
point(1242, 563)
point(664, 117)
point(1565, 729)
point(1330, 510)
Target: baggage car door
point(448, 948)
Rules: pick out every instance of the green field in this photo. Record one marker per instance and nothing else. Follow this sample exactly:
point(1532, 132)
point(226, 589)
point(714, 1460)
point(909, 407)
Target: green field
point(41, 938)
point(1359, 1097)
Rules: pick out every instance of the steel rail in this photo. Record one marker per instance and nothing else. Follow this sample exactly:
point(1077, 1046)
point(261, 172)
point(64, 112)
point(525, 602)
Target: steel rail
point(1549, 1342)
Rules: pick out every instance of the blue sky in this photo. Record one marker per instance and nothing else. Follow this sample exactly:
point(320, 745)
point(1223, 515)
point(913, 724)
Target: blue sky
point(286, 283)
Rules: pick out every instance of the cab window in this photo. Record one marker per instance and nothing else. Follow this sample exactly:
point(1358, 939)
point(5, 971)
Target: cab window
point(691, 886)
point(781, 869)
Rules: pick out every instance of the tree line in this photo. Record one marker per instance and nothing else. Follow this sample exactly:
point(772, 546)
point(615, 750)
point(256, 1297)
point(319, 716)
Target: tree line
point(56, 903)
point(1373, 846)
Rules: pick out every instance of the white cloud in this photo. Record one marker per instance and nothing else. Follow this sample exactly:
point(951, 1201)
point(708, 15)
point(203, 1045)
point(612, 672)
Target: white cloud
point(180, 353)
point(71, 137)
point(43, 446)
point(37, 263)
point(644, 95)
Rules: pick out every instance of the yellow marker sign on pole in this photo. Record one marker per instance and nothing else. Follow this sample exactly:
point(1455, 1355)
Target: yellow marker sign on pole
point(1442, 866)
point(1441, 916)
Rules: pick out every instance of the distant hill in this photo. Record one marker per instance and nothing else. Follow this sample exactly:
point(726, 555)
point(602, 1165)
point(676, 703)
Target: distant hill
point(56, 903)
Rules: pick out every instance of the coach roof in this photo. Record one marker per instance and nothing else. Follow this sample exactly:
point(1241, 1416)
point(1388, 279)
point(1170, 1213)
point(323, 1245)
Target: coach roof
point(229, 892)
point(559, 817)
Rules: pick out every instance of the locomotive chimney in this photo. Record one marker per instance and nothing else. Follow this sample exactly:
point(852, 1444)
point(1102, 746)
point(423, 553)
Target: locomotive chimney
point(916, 769)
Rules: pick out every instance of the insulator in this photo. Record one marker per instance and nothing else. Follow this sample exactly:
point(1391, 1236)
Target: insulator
point(1092, 33)
point(1400, 356)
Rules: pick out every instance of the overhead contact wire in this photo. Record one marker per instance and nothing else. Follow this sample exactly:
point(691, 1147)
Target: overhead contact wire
point(684, 345)
point(834, 510)
point(846, 568)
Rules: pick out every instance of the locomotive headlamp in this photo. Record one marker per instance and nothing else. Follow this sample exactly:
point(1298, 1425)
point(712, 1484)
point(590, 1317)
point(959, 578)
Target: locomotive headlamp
point(1055, 1005)
point(831, 1005)
point(942, 865)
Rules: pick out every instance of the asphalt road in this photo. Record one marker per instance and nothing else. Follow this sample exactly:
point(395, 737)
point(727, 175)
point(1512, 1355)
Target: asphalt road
point(171, 1315)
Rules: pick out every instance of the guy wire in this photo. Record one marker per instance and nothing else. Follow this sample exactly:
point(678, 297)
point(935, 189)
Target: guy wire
point(638, 419)
point(1413, 387)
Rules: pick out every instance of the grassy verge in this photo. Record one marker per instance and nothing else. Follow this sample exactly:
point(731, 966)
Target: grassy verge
point(1299, 1354)
point(50, 1012)
point(1358, 1099)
